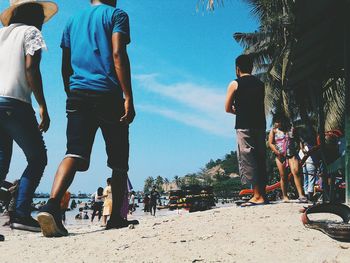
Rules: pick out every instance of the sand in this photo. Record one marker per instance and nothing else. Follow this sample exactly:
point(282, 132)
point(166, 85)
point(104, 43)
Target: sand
point(272, 233)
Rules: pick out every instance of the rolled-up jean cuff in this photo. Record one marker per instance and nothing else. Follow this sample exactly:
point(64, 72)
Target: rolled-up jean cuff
point(77, 156)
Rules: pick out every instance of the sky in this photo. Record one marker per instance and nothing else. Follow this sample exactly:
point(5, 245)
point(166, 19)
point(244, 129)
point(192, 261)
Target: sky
point(182, 60)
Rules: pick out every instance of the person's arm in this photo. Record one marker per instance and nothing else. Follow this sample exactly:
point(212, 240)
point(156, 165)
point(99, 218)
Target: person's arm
point(271, 142)
point(66, 68)
point(231, 90)
point(33, 75)
point(122, 69)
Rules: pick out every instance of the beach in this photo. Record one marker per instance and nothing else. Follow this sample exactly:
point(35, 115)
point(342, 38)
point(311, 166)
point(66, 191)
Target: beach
point(272, 233)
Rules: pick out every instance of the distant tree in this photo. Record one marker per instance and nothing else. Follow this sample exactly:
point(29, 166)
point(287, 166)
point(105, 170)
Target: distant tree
point(220, 177)
point(166, 181)
point(191, 179)
point(177, 180)
point(149, 182)
point(159, 183)
point(210, 165)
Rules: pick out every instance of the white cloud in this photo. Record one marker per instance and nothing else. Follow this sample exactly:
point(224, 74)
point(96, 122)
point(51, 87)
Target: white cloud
point(203, 106)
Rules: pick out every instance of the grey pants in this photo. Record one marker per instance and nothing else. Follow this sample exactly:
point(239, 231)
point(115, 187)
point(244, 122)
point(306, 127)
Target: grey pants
point(252, 156)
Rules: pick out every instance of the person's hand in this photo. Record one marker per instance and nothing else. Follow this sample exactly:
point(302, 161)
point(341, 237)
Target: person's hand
point(45, 119)
point(129, 112)
point(281, 157)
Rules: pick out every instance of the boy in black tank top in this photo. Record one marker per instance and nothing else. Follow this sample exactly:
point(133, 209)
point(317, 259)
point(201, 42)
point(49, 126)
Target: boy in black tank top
point(245, 99)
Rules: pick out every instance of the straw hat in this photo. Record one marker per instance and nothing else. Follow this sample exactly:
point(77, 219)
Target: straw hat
point(50, 9)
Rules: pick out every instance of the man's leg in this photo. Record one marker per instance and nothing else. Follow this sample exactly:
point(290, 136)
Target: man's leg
point(65, 175)
point(249, 165)
point(260, 157)
point(119, 189)
point(81, 130)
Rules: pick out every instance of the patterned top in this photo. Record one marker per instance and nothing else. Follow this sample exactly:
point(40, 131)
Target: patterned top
point(283, 140)
point(16, 42)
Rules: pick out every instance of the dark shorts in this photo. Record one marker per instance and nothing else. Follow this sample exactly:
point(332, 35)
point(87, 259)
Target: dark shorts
point(86, 113)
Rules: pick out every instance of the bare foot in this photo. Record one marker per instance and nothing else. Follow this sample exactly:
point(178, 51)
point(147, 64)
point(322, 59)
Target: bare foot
point(285, 200)
point(255, 200)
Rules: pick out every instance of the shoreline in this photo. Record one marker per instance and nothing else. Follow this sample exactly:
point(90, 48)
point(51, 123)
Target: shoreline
point(271, 233)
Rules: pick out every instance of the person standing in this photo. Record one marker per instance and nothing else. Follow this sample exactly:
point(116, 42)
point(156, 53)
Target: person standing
point(97, 80)
point(98, 204)
point(153, 200)
point(245, 99)
point(21, 43)
point(146, 201)
point(108, 202)
point(132, 202)
point(309, 170)
point(283, 143)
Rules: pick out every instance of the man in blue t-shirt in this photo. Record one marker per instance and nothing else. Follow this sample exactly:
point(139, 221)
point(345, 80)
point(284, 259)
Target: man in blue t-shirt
point(96, 75)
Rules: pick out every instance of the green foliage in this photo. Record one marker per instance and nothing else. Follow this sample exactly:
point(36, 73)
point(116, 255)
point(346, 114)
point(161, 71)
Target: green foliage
point(225, 188)
point(149, 182)
point(229, 163)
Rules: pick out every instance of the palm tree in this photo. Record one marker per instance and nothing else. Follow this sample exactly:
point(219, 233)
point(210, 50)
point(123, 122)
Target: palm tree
point(159, 183)
point(271, 48)
point(177, 180)
point(149, 182)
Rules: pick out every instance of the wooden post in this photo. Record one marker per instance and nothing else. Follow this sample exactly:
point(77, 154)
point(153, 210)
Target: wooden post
point(347, 103)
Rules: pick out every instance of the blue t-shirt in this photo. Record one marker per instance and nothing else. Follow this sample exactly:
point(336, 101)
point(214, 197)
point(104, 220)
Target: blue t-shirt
point(88, 35)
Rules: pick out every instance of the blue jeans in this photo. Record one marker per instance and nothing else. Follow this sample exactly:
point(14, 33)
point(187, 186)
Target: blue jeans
point(18, 123)
point(309, 171)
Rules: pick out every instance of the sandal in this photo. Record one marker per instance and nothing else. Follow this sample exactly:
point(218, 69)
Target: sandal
point(337, 231)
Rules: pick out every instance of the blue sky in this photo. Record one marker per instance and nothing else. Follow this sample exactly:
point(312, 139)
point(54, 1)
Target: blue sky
point(182, 61)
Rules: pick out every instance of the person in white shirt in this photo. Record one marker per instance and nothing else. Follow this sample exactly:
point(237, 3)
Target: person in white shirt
point(309, 171)
point(21, 43)
point(132, 202)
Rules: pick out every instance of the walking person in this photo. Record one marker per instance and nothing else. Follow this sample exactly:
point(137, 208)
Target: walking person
point(98, 204)
point(283, 143)
point(97, 80)
point(21, 43)
point(245, 99)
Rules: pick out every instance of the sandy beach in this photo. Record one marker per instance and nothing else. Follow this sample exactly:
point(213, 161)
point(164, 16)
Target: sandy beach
point(229, 234)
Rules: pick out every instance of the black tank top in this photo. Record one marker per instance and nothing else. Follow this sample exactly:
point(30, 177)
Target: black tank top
point(249, 103)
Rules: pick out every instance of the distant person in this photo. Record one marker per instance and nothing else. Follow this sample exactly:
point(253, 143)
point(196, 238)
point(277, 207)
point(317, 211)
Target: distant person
point(146, 202)
point(245, 99)
point(153, 200)
point(73, 205)
point(64, 205)
point(309, 171)
point(283, 143)
point(97, 80)
point(132, 202)
point(98, 204)
point(21, 43)
point(108, 202)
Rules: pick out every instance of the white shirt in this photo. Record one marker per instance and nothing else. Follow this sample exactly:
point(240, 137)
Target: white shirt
point(17, 41)
point(132, 200)
point(301, 155)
